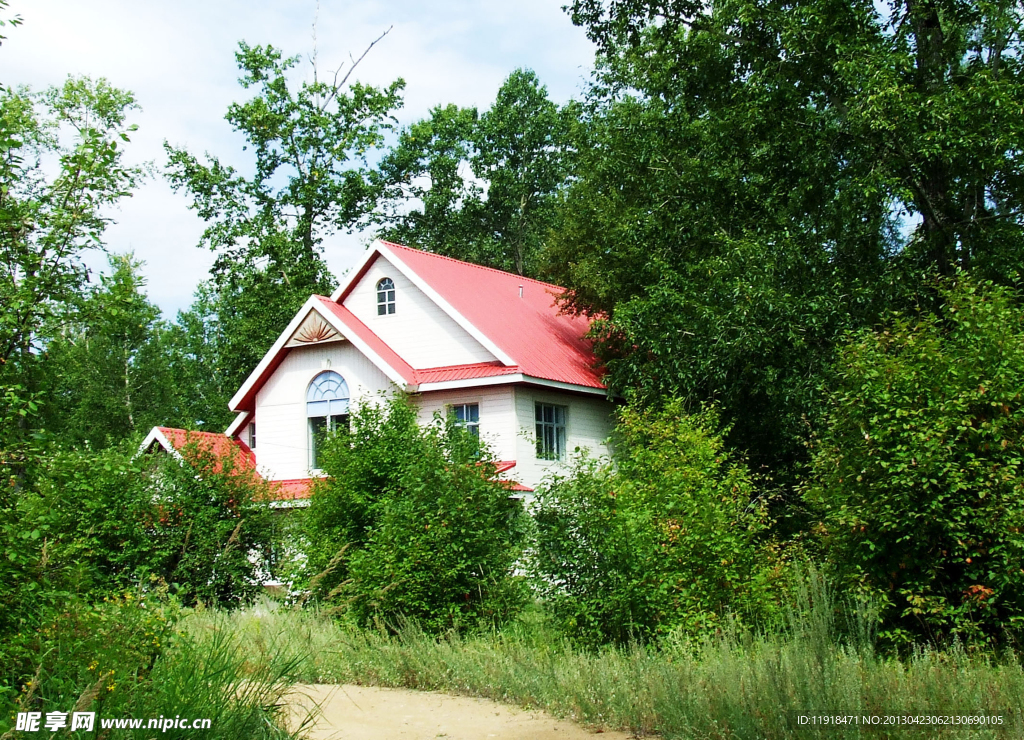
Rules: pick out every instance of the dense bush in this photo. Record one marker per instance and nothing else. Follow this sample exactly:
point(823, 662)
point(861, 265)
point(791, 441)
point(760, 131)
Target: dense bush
point(114, 519)
point(411, 522)
point(918, 473)
point(90, 545)
point(673, 537)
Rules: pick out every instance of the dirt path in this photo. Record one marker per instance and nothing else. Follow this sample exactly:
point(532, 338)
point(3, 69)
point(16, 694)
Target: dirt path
point(361, 712)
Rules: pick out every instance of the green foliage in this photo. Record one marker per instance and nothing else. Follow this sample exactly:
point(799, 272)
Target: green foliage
point(752, 179)
point(918, 469)
point(107, 374)
point(200, 359)
point(411, 523)
point(311, 179)
point(741, 684)
point(49, 215)
point(112, 520)
point(64, 649)
point(487, 183)
point(671, 538)
point(126, 657)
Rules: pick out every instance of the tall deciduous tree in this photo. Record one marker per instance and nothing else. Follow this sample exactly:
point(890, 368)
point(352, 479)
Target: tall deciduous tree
point(61, 168)
point(199, 349)
point(753, 177)
point(107, 370)
point(310, 179)
point(486, 183)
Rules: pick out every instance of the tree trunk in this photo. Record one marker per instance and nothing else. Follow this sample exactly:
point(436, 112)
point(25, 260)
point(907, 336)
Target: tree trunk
point(932, 182)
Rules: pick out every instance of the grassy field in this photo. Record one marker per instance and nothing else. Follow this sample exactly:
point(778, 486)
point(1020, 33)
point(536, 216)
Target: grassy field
point(740, 685)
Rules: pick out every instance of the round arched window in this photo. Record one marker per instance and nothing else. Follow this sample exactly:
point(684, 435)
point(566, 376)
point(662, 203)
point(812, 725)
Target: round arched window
point(326, 409)
point(385, 296)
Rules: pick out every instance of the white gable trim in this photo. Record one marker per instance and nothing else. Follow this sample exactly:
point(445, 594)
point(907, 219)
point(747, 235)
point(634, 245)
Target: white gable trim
point(393, 375)
point(311, 304)
point(446, 385)
point(357, 271)
point(238, 423)
point(378, 247)
point(155, 435)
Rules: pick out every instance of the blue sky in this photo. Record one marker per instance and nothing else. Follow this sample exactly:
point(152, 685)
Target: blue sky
point(178, 58)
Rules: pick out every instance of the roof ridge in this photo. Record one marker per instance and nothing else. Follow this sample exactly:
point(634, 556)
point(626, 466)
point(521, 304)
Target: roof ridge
point(473, 264)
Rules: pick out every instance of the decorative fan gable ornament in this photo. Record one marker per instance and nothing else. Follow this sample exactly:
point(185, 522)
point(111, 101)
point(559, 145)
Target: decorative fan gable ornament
point(313, 330)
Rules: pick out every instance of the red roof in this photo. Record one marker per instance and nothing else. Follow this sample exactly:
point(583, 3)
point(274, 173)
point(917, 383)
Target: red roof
point(295, 489)
point(530, 329)
point(465, 372)
point(218, 445)
point(244, 459)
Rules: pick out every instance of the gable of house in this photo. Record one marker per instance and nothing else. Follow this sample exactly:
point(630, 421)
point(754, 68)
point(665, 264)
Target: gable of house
point(427, 336)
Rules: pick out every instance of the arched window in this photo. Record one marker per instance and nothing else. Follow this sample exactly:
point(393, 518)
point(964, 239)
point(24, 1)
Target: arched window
point(385, 296)
point(326, 409)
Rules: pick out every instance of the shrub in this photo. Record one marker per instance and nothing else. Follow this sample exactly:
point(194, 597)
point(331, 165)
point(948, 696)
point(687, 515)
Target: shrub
point(112, 520)
point(411, 523)
point(671, 538)
point(917, 472)
point(209, 528)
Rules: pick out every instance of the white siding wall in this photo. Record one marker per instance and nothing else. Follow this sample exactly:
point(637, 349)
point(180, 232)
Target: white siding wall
point(419, 331)
point(497, 415)
point(282, 451)
point(588, 423)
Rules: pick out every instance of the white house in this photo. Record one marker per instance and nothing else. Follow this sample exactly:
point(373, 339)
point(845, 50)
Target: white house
point(490, 347)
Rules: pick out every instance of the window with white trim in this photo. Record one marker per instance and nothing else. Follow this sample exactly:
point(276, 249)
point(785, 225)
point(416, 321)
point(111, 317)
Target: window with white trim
point(385, 296)
point(327, 401)
point(467, 416)
point(550, 431)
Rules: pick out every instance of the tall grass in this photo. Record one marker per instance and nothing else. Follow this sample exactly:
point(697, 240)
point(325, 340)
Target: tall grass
point(139, 668)
point(741, 684)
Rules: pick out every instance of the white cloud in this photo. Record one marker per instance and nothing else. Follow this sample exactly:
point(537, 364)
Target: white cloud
point(178, 58)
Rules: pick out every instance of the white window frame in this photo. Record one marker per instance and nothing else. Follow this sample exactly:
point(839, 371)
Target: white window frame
point(470, 425)
point(386, 292)
point(558, 427)
point(336, 408)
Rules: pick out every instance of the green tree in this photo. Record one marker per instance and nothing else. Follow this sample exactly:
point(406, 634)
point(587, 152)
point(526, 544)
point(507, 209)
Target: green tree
point(115, 520)
point(310, 178)
point(107, 374)
point(486, 184)
point(411, 522)
point(754, 178)
point(919, 470)
point(672, 537)
point(198, 349)
point(61, 168)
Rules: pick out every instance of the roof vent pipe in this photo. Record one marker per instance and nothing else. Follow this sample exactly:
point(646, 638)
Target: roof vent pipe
point(520, 291)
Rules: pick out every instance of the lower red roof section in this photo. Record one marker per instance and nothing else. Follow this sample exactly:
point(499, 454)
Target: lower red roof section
point(214, 443)
point(464, 372)
point(244, 459)
point(296, 489)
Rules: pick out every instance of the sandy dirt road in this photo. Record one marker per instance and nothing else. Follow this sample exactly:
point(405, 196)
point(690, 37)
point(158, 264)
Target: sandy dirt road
point(362, 713)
